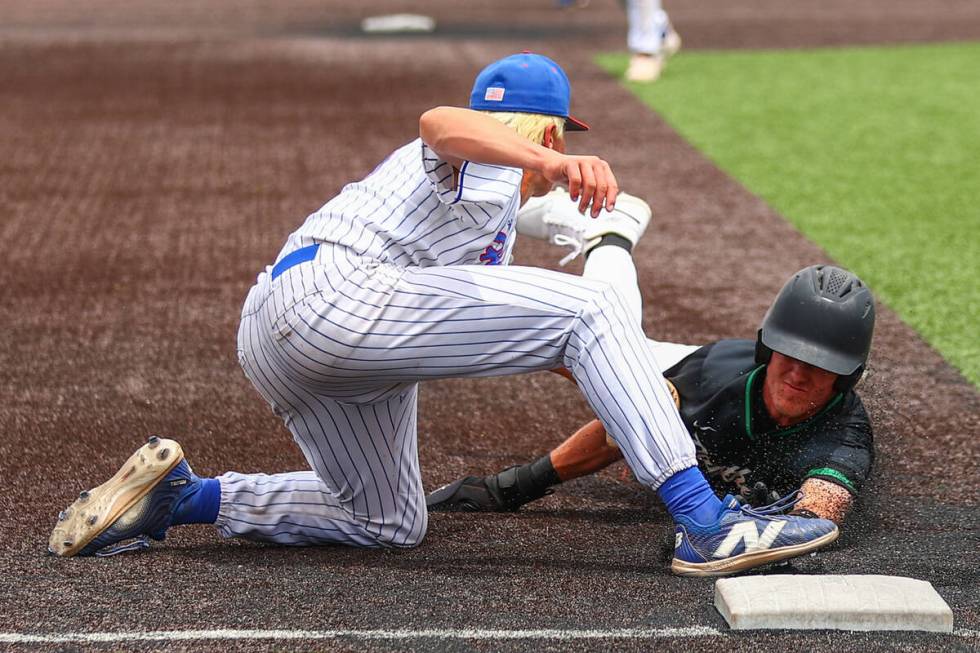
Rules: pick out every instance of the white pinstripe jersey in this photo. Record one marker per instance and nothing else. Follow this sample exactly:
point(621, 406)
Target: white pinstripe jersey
point(406, 212)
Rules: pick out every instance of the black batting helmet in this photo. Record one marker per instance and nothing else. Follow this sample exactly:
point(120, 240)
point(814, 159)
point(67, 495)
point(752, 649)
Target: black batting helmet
point(823, 316)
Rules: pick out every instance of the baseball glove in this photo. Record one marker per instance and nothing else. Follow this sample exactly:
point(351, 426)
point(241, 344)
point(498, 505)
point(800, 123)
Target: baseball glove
point(503, 492)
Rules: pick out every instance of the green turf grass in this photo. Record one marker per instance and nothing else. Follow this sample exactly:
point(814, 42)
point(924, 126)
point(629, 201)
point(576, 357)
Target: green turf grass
point(873, 153)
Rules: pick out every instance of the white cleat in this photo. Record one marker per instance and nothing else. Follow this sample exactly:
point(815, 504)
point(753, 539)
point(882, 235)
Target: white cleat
point(672, 42)
point(555, 218)
point(645, 68)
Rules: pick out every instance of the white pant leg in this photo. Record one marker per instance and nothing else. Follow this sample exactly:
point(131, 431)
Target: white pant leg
point(648, 23)
point(297, 508)
point(366, 489)
point(614, 265)
point(336, 340)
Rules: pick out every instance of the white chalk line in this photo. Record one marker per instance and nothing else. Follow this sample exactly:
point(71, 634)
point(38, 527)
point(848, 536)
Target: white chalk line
point(477, 634)
point(474, 634)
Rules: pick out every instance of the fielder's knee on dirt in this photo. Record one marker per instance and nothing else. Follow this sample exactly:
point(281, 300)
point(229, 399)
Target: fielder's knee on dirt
point(405, 530)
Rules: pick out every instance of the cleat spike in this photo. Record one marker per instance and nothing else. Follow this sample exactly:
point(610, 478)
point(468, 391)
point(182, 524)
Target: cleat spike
point(91, 520)
point(83, 495)
point(62, 516)
point(67, 543)
point(164, 454)
point(154, 441)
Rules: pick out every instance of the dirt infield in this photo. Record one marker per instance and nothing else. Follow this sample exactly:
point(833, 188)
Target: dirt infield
point(156, 155)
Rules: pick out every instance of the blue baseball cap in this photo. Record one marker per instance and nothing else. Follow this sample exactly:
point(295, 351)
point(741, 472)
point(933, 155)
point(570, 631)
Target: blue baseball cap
point(527, 83)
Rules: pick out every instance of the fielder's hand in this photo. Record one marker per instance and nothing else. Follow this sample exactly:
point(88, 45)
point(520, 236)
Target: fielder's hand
point(590, 180)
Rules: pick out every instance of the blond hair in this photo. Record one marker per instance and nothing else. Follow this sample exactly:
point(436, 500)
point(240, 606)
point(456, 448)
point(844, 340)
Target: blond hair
point(530, 125)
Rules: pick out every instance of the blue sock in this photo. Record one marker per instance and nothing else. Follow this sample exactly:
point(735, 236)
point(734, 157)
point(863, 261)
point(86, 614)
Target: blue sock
point(200, 503)
point(688, 494)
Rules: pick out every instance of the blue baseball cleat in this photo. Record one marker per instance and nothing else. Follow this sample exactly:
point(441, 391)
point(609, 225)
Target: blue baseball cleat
point(134, 505)
point(744, 538)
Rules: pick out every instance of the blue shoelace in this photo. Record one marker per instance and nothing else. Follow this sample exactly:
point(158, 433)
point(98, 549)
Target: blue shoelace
point(777, 507)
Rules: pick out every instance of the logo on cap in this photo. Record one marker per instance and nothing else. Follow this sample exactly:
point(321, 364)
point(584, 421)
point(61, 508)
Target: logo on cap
point(525, 83)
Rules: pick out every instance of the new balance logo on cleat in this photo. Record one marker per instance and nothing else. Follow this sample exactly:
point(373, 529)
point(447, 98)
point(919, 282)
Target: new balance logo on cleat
point(747, 532)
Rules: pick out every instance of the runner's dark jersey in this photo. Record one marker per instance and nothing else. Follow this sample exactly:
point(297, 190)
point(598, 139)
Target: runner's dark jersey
point(738, 443)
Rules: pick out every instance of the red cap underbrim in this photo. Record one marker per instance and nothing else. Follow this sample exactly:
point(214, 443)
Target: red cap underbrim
point(575, 125)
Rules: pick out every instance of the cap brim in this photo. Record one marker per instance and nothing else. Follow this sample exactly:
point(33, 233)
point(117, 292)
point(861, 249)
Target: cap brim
point(575, 125)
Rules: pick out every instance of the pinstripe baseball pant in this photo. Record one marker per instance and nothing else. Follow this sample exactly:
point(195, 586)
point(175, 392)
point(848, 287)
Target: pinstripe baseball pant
point(338, 345)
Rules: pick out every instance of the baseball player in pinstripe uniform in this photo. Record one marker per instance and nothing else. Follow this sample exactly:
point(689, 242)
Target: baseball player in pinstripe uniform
point(401, 278)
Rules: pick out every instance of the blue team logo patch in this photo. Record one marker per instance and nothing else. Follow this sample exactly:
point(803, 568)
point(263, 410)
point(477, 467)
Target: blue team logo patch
point(494, 252)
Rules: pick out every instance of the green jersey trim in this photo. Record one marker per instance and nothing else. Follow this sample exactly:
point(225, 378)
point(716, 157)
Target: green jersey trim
point(787, 431)
point(833, 473)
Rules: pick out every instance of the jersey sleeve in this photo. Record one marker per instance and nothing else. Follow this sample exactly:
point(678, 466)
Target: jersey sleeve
point(480, 191)
point(843, 451)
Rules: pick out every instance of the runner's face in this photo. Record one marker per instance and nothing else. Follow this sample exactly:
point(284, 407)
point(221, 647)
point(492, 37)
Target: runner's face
point(795, 390)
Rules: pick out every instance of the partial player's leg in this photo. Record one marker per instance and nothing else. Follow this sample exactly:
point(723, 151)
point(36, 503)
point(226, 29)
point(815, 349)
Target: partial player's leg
point(382, 327)
point(365, 488)
point(648, 28)
point(608, 251)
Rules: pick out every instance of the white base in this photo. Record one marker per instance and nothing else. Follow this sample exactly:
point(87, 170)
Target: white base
point(398, 23)
point(832, 602)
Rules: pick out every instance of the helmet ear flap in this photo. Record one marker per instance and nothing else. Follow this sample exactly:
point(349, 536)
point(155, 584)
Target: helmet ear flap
point(846, 382)
point(762, 353)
